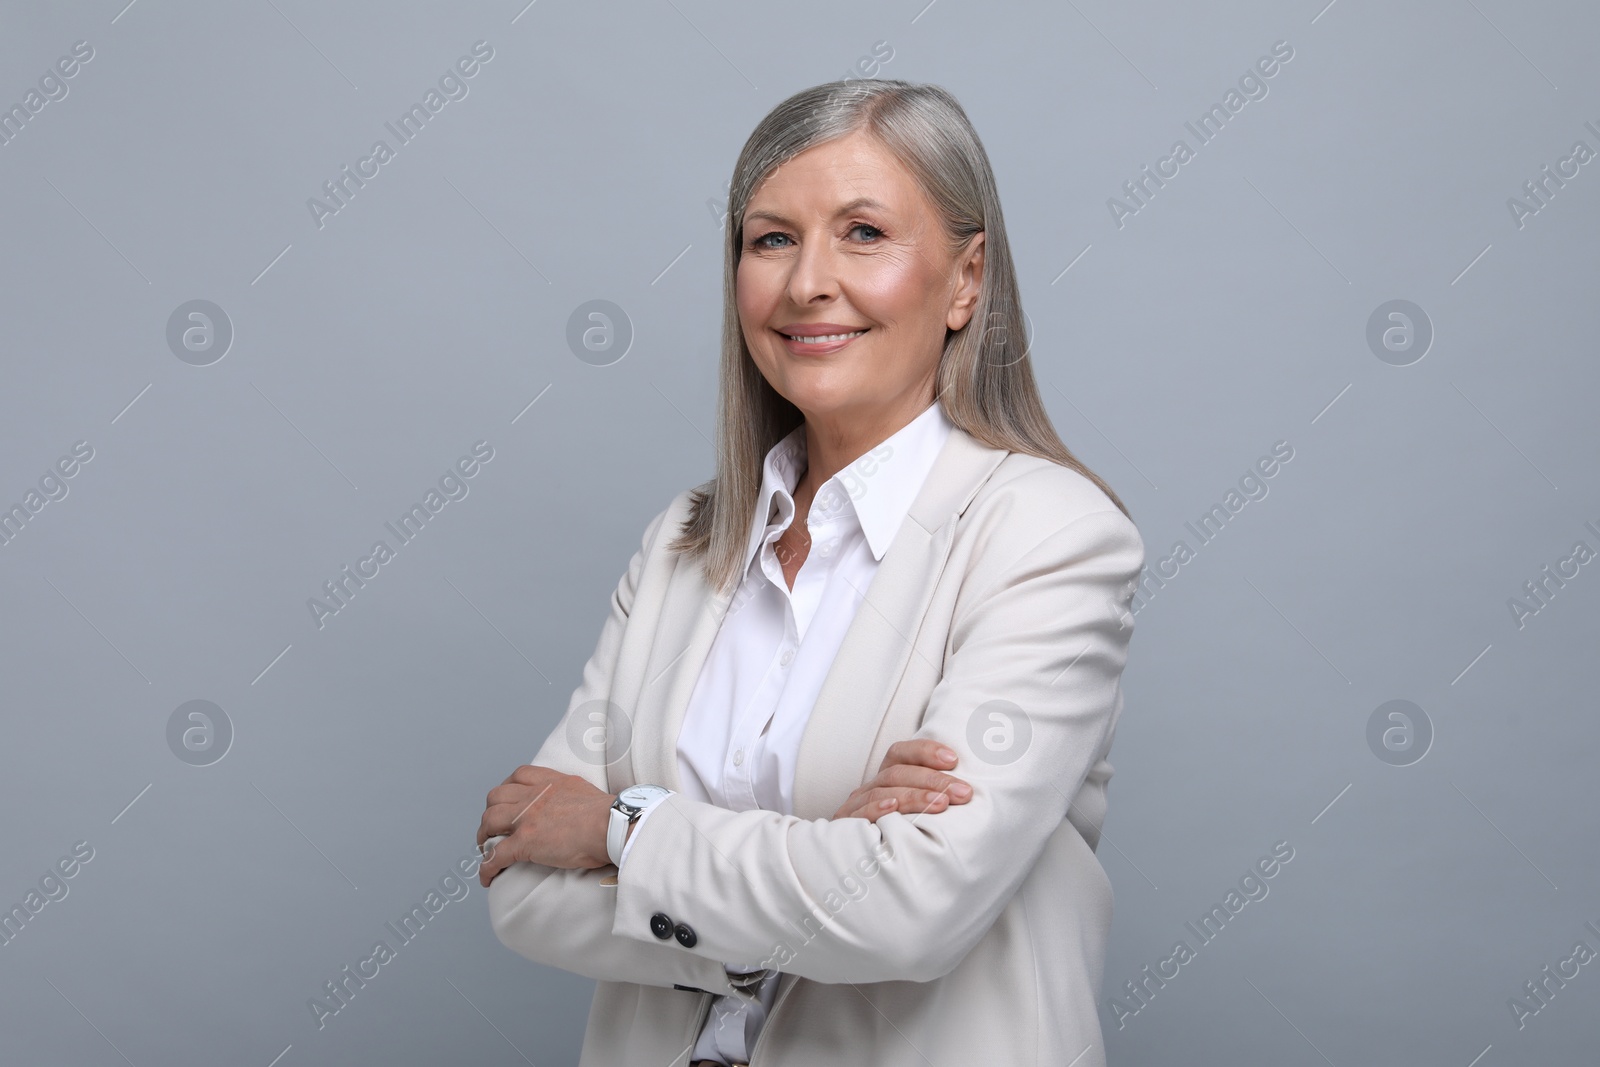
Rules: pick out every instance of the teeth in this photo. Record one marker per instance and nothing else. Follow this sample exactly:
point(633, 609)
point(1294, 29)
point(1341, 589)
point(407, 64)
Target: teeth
point(825, 338)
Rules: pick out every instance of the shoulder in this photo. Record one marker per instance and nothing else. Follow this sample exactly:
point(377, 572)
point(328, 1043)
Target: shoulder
point(1028, 499)
point(1036, 525)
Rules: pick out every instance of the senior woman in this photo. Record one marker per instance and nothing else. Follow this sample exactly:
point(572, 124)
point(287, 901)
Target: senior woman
point(830, 789)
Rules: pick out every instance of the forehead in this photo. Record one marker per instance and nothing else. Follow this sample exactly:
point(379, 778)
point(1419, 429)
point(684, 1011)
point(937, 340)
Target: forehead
point(827, 176)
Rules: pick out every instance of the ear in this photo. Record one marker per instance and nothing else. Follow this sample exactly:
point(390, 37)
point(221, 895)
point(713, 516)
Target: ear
point(969, 283)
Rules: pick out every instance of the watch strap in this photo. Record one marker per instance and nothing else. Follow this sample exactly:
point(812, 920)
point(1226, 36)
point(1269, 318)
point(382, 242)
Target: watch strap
point(617, 828)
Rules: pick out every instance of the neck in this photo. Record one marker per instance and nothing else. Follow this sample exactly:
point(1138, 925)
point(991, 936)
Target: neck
point(833, 442)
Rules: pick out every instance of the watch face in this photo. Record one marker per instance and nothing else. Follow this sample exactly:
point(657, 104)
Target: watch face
point(638, 794)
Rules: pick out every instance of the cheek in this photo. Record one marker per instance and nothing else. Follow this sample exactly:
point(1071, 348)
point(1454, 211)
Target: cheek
point(895, 290)
point(755, 306)
point(756, 290)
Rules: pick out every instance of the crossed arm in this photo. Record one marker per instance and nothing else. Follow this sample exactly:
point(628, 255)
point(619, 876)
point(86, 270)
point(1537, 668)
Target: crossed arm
point(1036, 657)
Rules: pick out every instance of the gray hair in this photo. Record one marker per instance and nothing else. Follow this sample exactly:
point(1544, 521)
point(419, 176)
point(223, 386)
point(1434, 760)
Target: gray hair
point(985, 381)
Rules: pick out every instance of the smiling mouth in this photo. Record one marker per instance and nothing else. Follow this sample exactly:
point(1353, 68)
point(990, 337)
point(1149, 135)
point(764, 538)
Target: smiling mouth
point(827, 338)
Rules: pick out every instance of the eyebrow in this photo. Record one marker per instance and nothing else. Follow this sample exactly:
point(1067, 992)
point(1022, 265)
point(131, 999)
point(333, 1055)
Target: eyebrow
point(846, 209)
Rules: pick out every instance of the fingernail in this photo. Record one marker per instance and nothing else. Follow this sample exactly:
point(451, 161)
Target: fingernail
point(960, 790)
point(946, 753)
point(886, 804)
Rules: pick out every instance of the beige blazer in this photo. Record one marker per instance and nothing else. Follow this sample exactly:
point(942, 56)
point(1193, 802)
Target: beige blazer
point(998, 622)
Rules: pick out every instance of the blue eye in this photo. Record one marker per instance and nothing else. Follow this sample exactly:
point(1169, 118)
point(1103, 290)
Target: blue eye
point(757, 243)
point(761, 242)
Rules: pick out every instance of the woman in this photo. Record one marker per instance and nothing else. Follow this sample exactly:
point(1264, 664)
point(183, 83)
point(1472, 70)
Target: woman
point(830, 789)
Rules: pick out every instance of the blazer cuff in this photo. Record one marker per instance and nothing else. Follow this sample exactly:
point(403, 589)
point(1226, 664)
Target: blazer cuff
point(564, 918)
point(683, 914)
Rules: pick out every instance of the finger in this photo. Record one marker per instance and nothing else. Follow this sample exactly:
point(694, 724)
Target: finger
point(486, 830)
point(526, 779)
point(516, 799)
point(513, 793)
point(533, 774)
point(908, 776)
point(876, 803)
point(870, 810)
point(907, 801)
point(501, 856)
point(897, 781)
point(487, 850)
point(916, 800)
point(499, 819)
point(920, 751)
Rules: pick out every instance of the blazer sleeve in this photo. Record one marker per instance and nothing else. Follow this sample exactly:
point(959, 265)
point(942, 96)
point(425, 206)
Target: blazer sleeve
point(906, 898)
point(565, 918)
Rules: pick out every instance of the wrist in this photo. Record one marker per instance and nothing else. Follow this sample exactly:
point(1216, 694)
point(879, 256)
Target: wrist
point(602, 854)
point(631, 806)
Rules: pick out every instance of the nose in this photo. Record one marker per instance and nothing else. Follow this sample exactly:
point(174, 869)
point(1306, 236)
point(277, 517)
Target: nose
point(814, 275)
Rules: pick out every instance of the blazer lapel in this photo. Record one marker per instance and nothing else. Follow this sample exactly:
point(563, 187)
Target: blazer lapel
point(877, 646)
point(688, 624)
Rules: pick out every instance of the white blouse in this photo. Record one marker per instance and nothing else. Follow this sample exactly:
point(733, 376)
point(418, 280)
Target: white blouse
point(742, 728)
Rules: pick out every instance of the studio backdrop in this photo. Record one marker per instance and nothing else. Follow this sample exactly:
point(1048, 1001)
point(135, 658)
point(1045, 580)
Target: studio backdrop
point(349, 348)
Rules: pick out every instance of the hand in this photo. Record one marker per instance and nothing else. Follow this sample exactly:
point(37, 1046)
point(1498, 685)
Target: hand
point(911, 779)
point(555, 819)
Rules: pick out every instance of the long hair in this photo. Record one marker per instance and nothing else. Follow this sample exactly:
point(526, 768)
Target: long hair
point(985, 378)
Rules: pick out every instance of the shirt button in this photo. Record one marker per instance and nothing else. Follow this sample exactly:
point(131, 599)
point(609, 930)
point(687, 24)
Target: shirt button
point(787, 657)
point(738, 757)
point(825, 550)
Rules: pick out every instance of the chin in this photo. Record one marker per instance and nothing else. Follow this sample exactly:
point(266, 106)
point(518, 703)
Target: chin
point(819, 402)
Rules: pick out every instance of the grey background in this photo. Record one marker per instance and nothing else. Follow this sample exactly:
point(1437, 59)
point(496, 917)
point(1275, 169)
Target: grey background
point(587, 162)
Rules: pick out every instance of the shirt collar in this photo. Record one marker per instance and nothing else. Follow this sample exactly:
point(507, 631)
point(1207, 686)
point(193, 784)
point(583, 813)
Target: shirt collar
point(880, 485)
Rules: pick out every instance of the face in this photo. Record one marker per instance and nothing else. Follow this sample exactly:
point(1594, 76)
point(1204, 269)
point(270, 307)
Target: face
point(842, 240)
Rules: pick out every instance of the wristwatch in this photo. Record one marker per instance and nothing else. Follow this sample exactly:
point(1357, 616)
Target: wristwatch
point(631, 803)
